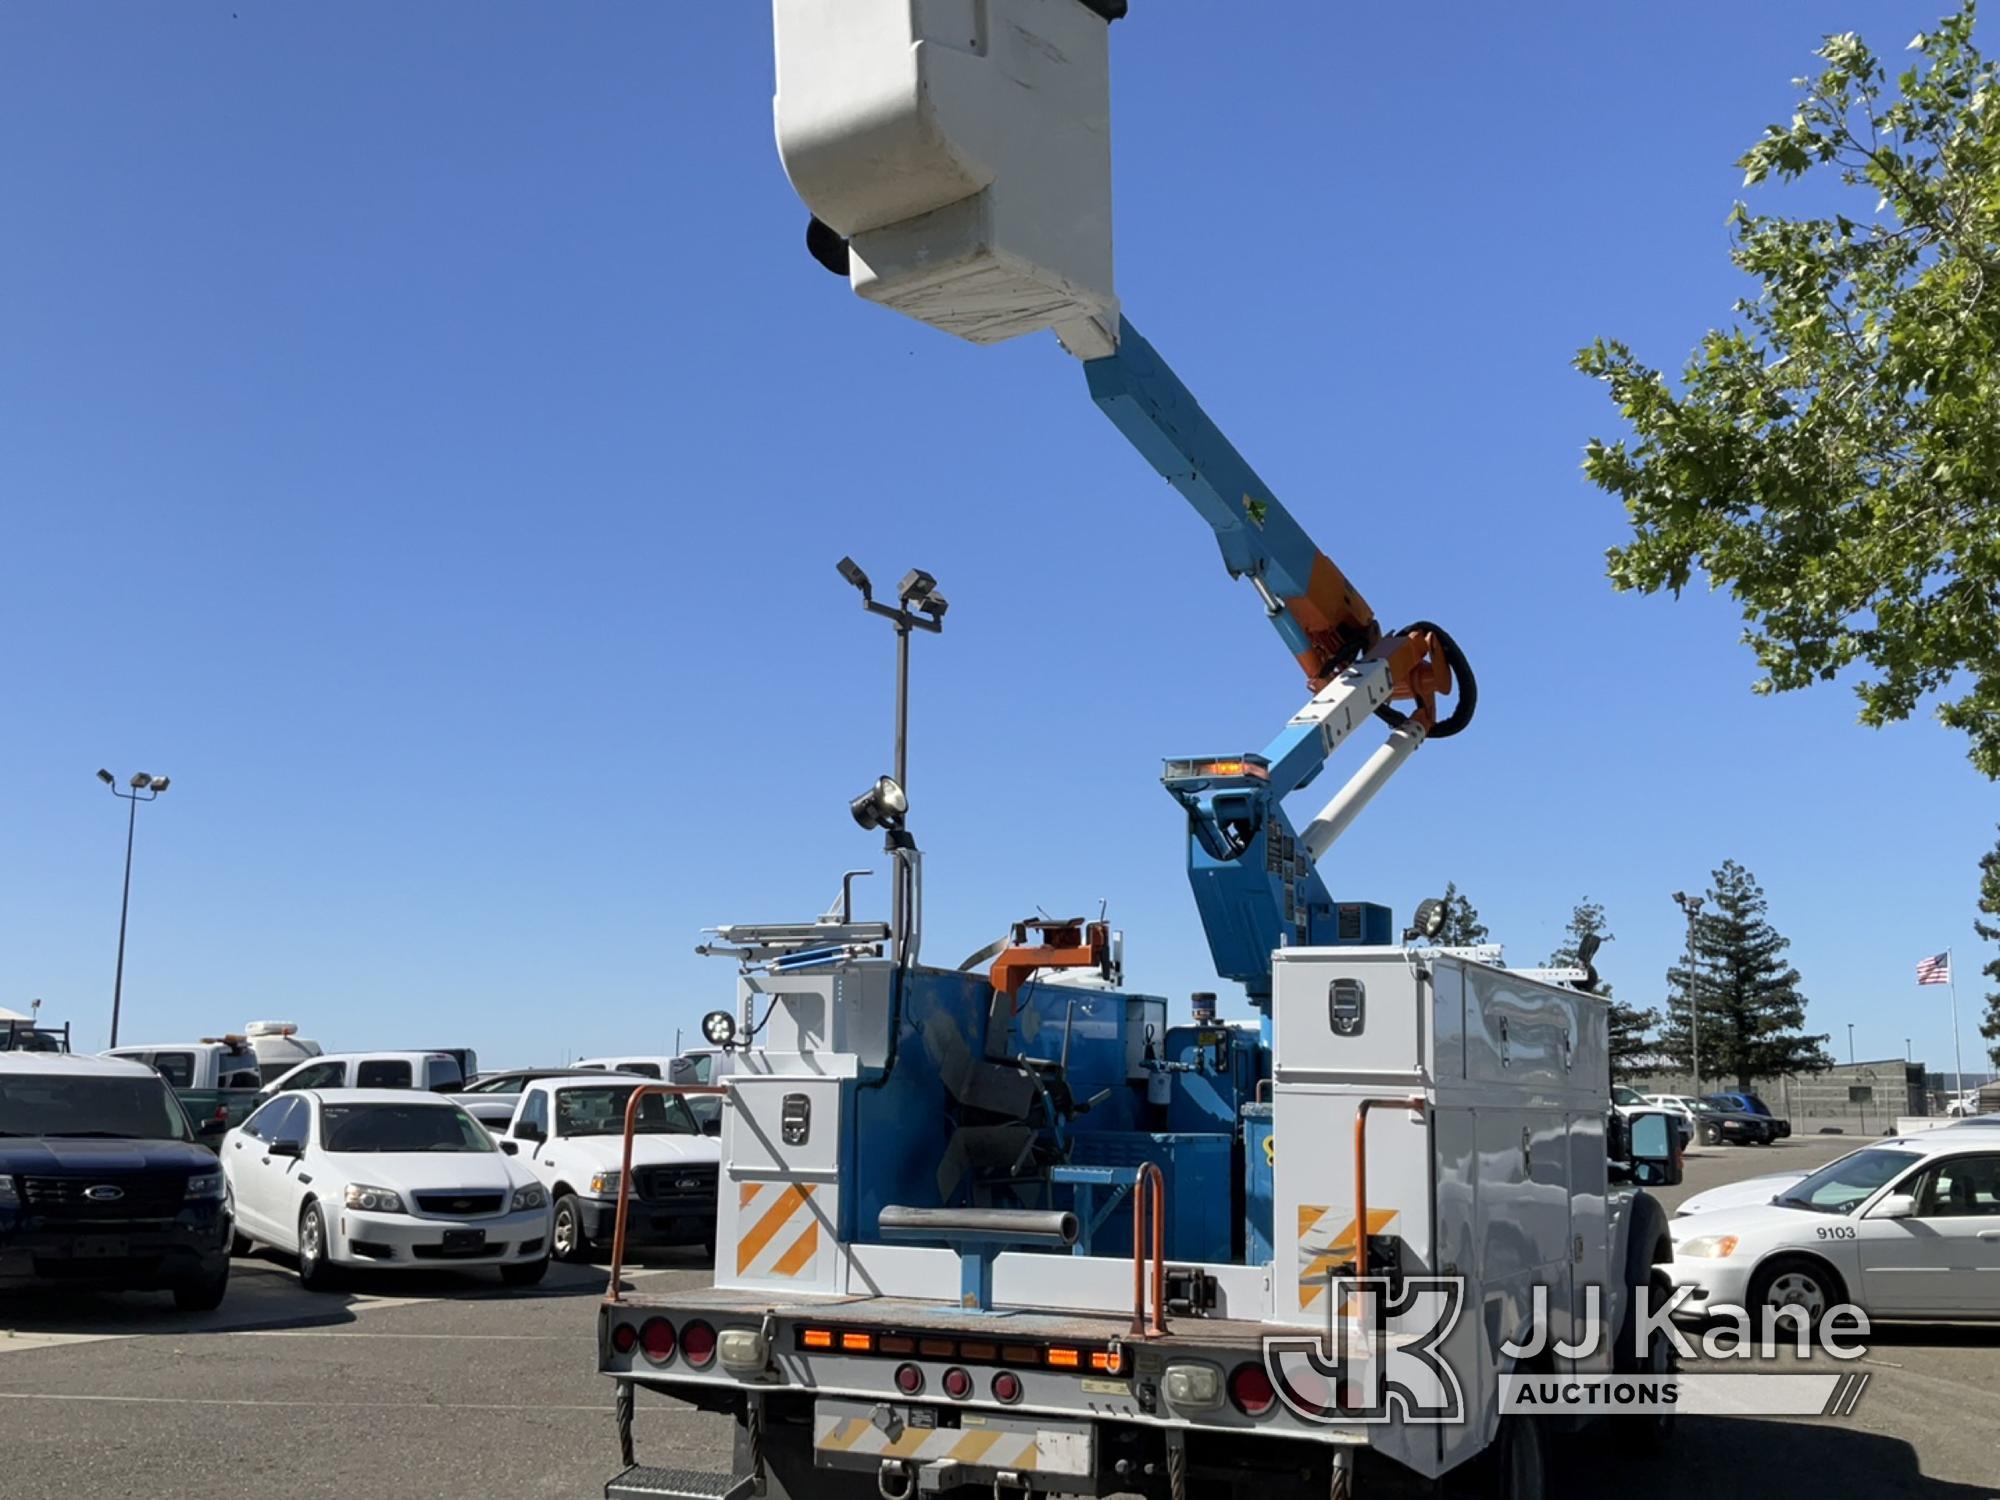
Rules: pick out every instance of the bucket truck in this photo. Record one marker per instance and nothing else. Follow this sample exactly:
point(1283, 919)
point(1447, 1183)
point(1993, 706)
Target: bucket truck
point(1006, 1229)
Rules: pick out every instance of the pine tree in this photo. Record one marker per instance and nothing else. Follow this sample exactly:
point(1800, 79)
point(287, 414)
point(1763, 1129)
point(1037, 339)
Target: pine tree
point(1462, 927)
point(1631, 1042)
point(1989, 903)
point(1752, 1014)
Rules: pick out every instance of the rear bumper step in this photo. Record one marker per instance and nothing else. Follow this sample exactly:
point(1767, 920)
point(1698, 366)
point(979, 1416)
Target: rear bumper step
point(643, 1483)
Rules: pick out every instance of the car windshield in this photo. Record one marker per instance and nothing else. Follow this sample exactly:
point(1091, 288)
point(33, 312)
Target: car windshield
point(1838, 1187)
point(400, 1127)
point(595, 1111)
point(1707, 1107)
point(503, 1085)
point(142, 1109)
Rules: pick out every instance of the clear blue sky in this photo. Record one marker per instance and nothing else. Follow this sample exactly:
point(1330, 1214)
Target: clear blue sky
point(423, 435)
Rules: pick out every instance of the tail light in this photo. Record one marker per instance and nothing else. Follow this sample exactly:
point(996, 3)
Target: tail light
point(957, 1383)
point(909, 1379)
point(656, 1338)
point(624, 1337)
point(1006, 1387)
point(1250, 1389)
point(697, 1344)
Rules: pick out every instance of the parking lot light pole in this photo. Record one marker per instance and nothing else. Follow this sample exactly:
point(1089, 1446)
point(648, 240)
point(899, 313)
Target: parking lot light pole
point(145, 788)
point(1692, 906)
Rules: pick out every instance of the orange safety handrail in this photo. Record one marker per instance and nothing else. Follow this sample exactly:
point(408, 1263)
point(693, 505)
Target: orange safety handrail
point(1414, 1102)
point(1149, 1172)
point(625, 1165)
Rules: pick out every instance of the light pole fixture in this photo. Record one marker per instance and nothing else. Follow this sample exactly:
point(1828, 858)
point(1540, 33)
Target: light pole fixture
point(145, 788)
point(1692, 905)
point(918, 606)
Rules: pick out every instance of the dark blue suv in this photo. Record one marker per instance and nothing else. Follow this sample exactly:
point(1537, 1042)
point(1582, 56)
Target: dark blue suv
point(103, 1183)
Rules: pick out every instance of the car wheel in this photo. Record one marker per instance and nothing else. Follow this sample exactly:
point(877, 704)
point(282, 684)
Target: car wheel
point(1711, 1135)
point(315, 1271)
point(568, 1240)
point(203, 1296)
point(527, 1273)
point(1796, 1281)
point(1518, 1471)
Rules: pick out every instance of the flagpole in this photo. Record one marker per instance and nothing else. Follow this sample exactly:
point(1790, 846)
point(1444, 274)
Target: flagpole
point(1957, 1058)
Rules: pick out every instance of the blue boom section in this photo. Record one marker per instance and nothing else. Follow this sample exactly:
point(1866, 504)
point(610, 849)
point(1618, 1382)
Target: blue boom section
point(1160, 417)
point(1254, 884)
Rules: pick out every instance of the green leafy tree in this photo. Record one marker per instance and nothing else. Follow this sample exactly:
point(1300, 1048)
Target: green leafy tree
point(1989, 905)
point(1752, 1014)
point(1462, 927)
point(1631, 1042)
point(1830, 456)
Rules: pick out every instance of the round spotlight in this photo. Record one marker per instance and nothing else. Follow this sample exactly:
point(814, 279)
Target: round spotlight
point(719, 1026)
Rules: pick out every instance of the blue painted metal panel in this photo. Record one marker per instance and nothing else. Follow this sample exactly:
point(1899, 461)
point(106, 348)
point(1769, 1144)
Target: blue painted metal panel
point(1259, 1184)
point(1201, 1195)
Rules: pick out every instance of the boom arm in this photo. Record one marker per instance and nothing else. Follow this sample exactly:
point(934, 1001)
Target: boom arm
point(1321, 617)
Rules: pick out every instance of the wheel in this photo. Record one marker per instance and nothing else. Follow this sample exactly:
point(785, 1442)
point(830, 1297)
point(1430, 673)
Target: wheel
point(1711, 1135)
point(568, 1240)
point(525, 1274)
point(203, 1296)
point(1518, 1472)
point(1796, 1281)
point(315, 1271)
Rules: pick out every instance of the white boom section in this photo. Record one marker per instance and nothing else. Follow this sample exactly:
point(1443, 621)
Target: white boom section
point(963, 149)
point(1369, 778)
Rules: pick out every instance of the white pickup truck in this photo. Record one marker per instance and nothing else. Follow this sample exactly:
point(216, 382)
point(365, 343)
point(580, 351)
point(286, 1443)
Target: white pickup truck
point(570, 1133)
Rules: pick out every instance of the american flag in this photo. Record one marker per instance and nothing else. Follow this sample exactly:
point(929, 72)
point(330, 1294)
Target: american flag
point(1934, 970)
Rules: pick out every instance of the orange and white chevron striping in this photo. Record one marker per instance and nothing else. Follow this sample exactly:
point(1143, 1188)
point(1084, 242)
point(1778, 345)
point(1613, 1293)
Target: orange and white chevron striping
point(1022, 1452)
point(779, 1231)
point(1326, 1241)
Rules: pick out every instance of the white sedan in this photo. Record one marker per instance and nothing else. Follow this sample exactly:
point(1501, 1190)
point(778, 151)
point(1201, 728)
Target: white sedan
point(1909, 1228)
point(382, 1178)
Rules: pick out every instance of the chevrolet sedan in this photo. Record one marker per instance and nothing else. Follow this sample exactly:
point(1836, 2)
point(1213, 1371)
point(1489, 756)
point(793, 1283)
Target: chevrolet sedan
point(383, 1179)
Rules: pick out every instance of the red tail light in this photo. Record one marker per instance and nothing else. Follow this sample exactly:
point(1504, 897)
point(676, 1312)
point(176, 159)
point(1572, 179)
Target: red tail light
point(1007, 1387)
point(957, 1383)
point(623, 1337)
point(1250, 1388)
point(909, 1379)
point(656, 1338)
point(697, 1344)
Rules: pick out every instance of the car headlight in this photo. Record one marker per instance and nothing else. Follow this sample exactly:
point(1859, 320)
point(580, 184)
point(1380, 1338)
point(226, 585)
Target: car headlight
point(204, 1185)
point(374, 1200)
point(1707, 1247)
point(605, 1184)
point(8, 1197)
point(530, 1196)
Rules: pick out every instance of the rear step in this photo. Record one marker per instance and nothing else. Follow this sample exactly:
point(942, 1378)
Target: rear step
point(643, 1483)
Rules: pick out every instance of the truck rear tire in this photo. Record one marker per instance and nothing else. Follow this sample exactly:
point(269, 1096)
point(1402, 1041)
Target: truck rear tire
point(1519, 1470)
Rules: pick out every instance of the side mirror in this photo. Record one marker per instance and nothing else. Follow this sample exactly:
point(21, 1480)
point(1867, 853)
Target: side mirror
point(512, 1148)
point(528, 1130)
point(1655, 1162)
point(1895, 1206)
point(293, 1149)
